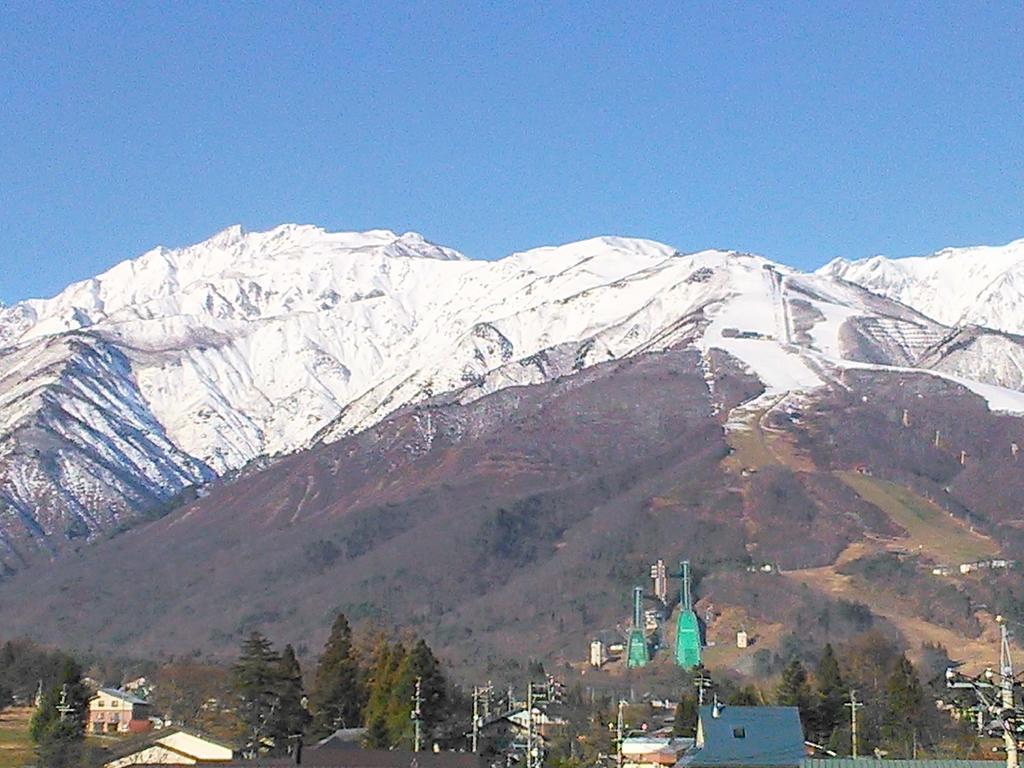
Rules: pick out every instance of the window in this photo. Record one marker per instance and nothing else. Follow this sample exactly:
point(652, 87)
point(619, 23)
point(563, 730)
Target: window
point(739, 732)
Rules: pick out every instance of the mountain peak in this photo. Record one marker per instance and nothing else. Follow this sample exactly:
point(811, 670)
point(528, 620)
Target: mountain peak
point(956, 286)
point(228, 236)
point(200, 359)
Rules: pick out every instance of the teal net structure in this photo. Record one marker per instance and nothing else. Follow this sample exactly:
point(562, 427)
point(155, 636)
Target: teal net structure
point(637, 652)
point(687, 629)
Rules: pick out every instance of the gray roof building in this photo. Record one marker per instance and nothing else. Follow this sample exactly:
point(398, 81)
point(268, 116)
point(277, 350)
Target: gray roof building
point(747, 737)
point(123, 695)
point(870, 762)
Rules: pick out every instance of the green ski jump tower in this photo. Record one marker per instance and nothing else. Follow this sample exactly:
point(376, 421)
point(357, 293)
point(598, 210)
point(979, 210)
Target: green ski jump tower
point(687, 630)
point(637, 654)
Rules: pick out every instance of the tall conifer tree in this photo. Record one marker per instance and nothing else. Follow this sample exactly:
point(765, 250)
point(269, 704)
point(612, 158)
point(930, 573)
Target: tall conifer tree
point(58, 735)
point(337, 696)
point(255, 680)
point(793, 690)
point(904, 708)
point(381, 683)
point(687, 712)
point(433, 685)
point(290, 716)
point(831, 696)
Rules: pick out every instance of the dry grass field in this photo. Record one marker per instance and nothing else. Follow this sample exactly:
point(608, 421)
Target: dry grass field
point(15, 746)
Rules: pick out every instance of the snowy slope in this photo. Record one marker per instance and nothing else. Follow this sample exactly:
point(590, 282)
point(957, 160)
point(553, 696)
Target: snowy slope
point(80, 451)
point(184, 364)
point(982, 285)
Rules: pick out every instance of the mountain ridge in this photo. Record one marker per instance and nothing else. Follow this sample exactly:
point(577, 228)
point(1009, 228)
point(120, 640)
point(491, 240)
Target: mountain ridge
point(979, 285)
point(260, 344)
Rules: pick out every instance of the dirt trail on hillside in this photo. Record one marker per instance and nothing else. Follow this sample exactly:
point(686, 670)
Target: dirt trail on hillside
point(977, 653)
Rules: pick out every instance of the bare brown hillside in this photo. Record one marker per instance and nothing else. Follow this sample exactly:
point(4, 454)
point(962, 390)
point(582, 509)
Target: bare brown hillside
point(515, 526)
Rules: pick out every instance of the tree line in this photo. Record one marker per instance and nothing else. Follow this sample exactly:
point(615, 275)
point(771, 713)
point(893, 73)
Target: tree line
point(261, 702)
point(28, 672)
point(370, 686)
point(897, 715)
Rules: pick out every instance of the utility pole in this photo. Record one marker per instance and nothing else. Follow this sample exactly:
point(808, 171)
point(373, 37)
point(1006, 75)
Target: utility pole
point(63, 707)
point(417, 715)
point(854, 705)
point(619, 725)
point(476, 718)
point(529, 727)
point(702, 683)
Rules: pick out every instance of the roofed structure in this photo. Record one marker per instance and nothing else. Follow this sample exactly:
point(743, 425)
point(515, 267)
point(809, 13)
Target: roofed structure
point(342, 738)
point(368, 758)
point(179, 747)
point(747, 737)
point(112, 710)
point(871, 762)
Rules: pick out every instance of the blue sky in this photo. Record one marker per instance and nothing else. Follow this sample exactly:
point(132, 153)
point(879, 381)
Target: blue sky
point(798, 130)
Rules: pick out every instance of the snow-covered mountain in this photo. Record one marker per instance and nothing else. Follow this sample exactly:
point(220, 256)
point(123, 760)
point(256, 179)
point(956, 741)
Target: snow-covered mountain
point(181, 365)
point(982, 285)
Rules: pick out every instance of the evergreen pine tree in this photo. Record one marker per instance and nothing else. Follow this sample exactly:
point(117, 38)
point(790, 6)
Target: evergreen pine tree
point(433, 686)
point(401, 686)
point(61, 747)
point(290, 716)
point(58, 736)
point(336, 698)
point(746, 696)
point(793, 690)
point(380, 683)
point(685, 721)
point(829, 710)
point(255, 680)
point(904, 708)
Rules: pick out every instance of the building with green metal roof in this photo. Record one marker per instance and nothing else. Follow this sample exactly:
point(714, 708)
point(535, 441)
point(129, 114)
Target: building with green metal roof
point(871, 762)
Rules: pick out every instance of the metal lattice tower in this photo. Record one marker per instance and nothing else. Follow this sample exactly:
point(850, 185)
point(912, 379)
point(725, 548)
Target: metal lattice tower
point(998, 713)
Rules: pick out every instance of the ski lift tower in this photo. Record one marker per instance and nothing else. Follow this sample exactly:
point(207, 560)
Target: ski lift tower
point(687, 628)
point(998, 711)
point(637, 654)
